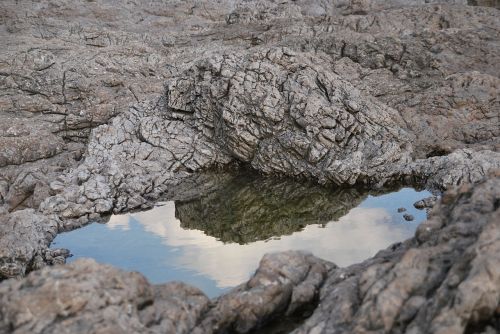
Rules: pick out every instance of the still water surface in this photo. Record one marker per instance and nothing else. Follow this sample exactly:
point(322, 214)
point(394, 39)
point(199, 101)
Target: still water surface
point(215, 241)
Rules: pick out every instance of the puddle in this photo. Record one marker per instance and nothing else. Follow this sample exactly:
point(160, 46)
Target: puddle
point(215, 241)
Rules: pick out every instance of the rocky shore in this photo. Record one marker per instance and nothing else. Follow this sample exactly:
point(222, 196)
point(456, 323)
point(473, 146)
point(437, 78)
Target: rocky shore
point(107, 106)
point(444, 280)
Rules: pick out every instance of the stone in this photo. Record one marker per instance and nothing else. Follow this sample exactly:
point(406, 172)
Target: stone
point(86, 297)
point(25, 234)
point(426, 203)
point(424, 284)
point(408, 217)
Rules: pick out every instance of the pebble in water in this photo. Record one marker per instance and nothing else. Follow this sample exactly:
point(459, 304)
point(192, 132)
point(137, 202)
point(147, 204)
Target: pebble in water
point(408, 217)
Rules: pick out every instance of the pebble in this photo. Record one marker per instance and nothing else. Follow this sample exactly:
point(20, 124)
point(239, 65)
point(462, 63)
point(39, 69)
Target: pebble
point(408, 217)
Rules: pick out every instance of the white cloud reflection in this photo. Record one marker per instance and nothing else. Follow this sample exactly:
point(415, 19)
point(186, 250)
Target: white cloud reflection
point(355, 237)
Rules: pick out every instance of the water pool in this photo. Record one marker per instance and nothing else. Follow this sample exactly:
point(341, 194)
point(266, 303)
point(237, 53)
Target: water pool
point(216, 240)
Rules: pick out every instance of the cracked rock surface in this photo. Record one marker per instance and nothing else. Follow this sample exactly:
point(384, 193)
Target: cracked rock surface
point(89, 297)
point(107, 106)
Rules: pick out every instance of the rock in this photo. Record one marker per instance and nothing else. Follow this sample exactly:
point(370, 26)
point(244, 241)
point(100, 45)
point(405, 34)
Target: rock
point(425, 284)
point(401, 210)
point(283, 113)
point(92, 297)
point(119, 108)
point(487, 3)
point(25, 235)
point(283, 283)
point(87, 297)
point(426, 203)
point(76, 97)
point(408, 217)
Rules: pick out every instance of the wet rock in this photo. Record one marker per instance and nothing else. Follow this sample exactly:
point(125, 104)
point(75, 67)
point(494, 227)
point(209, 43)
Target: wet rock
point(401, 210)
point(426, 203)
point(408, 217)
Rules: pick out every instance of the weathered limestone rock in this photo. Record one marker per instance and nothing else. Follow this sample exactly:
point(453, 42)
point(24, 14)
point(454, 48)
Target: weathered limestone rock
point(25, 238)
point(92, 298)
point(106, 106)
point(285, 112)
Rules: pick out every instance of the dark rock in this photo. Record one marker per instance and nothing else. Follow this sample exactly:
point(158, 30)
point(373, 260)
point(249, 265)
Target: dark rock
point(426, 203)
point(408, 217)
point(401, 210)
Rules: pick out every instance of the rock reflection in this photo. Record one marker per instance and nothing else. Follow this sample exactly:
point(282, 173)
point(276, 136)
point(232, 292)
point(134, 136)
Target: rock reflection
point(247, 209)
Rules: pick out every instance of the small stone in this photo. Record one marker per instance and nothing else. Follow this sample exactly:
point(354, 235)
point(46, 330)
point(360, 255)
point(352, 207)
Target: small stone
point(427, 202)
point(401, 210)
point(408, 217)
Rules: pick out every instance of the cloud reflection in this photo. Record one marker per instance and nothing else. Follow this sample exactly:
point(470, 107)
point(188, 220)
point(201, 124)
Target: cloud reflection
point(354, 237)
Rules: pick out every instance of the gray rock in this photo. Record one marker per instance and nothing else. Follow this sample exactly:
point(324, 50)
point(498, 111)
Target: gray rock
point(89, 297)
point(25, 236)
point(425, 284)
point(408, 217)
point(426, 203)
point(109, 110)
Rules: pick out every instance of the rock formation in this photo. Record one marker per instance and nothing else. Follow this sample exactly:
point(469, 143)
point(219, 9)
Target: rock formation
point(107, 106)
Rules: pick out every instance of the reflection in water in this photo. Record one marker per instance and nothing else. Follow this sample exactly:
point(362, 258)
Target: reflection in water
point(216, 241)
point(248, 209)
